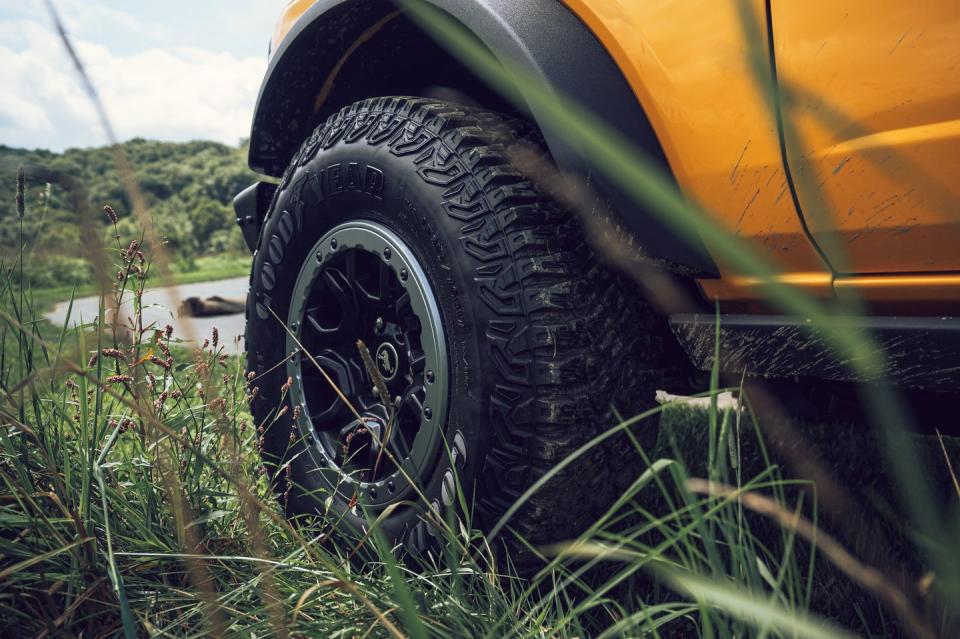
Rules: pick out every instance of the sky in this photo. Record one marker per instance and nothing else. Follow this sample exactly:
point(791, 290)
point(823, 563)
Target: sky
point(172, 70)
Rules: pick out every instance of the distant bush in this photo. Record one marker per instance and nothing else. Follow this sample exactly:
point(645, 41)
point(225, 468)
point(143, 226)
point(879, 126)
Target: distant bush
point(57, 271)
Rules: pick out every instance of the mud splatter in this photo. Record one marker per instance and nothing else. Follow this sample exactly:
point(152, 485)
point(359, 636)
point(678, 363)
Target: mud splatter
point(843, 163)
point(899, 41)
point(780, 195)
point(917, 354)
point(747, 207)
point(733, 173)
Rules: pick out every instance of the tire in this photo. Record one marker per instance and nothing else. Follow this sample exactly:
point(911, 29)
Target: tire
point(540, 338)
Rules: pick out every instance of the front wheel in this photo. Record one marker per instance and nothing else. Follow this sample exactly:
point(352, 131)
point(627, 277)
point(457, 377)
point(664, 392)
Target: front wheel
point(423, 319)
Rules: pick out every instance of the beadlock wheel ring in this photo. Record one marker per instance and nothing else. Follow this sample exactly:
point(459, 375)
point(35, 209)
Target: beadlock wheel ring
point(361, 281)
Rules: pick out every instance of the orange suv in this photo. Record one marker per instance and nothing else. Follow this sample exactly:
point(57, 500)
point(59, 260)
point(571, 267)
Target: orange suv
point(427, 313)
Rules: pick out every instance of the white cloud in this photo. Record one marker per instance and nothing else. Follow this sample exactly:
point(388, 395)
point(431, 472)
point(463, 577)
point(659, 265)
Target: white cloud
point(178, 93)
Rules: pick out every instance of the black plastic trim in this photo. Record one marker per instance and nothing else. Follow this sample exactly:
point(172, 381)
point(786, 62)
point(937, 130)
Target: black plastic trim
point(542, 37)
point(250, 206)
point(921, 352)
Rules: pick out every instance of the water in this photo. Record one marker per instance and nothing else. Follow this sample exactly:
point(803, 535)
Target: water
point(160, 306)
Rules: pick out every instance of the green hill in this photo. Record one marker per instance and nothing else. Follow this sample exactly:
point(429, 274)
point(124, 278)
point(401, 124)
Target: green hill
point(188, 187)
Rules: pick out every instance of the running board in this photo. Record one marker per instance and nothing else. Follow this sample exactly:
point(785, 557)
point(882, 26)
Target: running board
point(922, 352)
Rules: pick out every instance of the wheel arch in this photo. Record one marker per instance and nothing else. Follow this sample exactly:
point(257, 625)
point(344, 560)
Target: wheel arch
point(341, 51)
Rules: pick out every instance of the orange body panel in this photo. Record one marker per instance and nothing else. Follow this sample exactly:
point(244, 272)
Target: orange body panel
point(876, 158)
point(291, 13)
point(908, 294)
point(687, 63)
point(873, 134)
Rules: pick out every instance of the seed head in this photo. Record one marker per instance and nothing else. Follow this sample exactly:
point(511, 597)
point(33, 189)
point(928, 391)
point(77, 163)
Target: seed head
point(216, 336)
point(164, 364)
point(110, 213)
point(119, 379)
point(21, 183)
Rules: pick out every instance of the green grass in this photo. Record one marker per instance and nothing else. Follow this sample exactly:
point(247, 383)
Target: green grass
point(168, 528)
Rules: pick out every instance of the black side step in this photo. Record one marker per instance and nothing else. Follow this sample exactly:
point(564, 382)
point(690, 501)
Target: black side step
point(922, 352)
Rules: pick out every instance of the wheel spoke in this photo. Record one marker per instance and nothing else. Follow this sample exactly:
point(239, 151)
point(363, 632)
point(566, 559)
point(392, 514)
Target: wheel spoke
point(343, 292)
point(411, 400)
point(417, 361)
point(402, 305)
point(384, 277)
point(398, 444)
point(328, 418)
point(311, 316)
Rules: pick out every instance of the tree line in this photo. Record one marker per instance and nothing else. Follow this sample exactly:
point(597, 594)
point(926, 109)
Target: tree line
point(188, 189)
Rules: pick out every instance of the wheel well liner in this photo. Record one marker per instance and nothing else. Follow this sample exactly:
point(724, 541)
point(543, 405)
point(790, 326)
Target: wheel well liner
point(341, 51)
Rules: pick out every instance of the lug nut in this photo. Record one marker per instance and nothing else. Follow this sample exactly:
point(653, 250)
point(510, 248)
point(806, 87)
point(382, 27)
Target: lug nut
point(333, 243)
point(319, 257)
point(430, 377)
point(427, 413)
point(387, 253)
point(404, 275)
point(378, 325)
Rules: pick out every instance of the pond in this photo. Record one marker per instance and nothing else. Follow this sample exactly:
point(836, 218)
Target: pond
point(160, 306)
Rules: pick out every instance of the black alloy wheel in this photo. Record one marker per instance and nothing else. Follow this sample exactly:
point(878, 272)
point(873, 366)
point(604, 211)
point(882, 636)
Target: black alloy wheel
point(365, 289)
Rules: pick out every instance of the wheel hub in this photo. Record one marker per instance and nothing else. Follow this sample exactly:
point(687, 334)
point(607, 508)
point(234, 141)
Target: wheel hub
point(363, 283)
point(388, 361)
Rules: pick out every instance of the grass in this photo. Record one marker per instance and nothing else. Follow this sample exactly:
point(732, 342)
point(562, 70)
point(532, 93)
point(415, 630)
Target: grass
point(133, 503)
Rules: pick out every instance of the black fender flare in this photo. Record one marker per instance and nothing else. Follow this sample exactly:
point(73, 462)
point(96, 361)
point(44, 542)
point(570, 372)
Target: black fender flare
point(536, 35)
